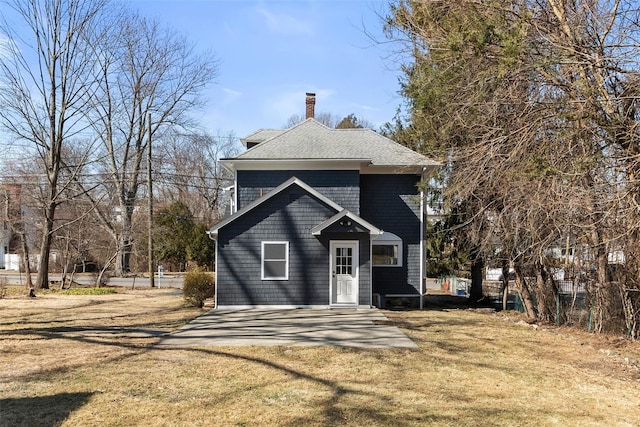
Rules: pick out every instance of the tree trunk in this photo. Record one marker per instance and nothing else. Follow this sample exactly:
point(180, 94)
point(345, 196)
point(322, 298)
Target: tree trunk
point(123, 261)
point(505, 284)
point(26, 266)
point(600, 301)
point(101, 276)
point(546, 293)
point(123, 266)
point(525, 295)
point(475, 293)
point(505, 295)
point(42, 280)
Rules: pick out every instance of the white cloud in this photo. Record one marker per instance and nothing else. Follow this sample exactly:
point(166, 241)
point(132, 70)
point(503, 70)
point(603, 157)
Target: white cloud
point(365, 107)
point(230, 95)
point(285, 24)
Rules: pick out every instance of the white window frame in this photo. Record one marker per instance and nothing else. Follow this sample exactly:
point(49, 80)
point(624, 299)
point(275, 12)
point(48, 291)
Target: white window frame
point(286, 260)
point(388, 239)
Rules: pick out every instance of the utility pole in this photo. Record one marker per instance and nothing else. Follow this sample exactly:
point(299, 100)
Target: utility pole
point(149, 183)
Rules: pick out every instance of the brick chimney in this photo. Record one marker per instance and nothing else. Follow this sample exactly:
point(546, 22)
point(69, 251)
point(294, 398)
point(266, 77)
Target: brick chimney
point(311, 106)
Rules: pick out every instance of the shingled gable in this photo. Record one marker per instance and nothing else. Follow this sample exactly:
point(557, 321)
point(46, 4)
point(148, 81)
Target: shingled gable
point(295, 181)
point(311, 140)
point(340, 218)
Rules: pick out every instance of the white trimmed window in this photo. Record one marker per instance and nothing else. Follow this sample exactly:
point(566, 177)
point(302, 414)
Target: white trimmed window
point(275, 260)
point(387, 250)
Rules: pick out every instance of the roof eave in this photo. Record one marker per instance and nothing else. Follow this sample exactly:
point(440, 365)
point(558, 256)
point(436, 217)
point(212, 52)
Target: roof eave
point(293, 163)
point(291, 181)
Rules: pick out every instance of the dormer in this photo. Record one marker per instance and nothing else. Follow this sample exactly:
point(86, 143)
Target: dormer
point(259, 136)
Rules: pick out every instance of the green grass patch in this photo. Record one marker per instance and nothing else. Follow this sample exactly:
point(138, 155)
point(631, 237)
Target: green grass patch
point(89, 291)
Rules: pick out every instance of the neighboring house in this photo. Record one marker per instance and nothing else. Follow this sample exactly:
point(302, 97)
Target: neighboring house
point(10, 211)
point(322, 218)
point(5, 227)
point(5, 239)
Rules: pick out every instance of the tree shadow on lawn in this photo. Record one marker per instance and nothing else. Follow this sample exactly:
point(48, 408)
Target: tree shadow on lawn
point(41, 411)
point(452, 302)
point(53, 410)
point(148, 328)
point(432, 302)
point(334, 409)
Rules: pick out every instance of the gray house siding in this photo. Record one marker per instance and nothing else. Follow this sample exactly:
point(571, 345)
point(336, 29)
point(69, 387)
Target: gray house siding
point(288, 216)
point(391, 202)
point(341, 186)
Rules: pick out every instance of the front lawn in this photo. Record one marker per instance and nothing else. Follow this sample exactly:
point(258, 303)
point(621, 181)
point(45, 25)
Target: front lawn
point(89, 360)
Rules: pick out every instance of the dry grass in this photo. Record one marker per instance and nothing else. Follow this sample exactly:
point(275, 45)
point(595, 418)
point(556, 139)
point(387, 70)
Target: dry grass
point(89, 360)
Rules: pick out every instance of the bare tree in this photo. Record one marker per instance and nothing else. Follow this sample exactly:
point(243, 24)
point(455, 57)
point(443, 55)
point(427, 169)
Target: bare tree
point(535, 106)
point(328, 119)
point(189, 171)
point(45, 83)
point(146, 71)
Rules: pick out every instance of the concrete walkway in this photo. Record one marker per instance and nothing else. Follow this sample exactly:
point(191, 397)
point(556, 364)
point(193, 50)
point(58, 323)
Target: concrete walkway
point(304, 327)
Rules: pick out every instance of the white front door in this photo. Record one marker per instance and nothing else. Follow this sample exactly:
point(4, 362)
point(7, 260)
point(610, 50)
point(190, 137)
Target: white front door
point(344, 272)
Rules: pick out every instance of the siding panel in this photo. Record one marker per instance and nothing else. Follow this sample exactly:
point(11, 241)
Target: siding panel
point(343, 186)
point(288, 216)
point(391, 202)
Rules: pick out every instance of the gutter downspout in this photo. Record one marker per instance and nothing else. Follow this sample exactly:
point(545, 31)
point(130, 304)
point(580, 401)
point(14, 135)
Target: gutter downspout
point(372, 237)
point(371, 269)
point(422, 243)
point(235, 194)
point(215, 277)
point(215, 272)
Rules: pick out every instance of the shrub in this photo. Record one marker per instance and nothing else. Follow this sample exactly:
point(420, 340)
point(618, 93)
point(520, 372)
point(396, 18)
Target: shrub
point(197, 287)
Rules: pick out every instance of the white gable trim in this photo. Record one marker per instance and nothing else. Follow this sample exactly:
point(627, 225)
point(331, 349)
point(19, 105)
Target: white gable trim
point(294, 164)
point(363, 165)
point(318, 229)
point(291, 181)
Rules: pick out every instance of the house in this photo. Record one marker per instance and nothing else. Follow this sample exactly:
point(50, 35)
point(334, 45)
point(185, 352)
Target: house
point(5, 239)
point(321, 218)
point(9, 199)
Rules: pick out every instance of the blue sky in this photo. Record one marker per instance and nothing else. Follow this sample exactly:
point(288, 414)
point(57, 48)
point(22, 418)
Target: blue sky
point(272, 52)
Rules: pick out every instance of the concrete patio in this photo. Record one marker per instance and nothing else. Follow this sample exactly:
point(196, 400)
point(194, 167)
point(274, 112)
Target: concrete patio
point(296, 327)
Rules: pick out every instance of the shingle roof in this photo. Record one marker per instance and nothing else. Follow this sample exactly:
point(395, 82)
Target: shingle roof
point(311, 140)
point(261, 135)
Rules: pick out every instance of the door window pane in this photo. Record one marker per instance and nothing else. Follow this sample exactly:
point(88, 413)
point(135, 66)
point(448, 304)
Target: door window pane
point(344, 261)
